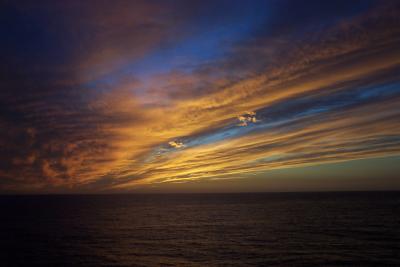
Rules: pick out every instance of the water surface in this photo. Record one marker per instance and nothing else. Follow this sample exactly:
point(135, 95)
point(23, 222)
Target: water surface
point(275, 229)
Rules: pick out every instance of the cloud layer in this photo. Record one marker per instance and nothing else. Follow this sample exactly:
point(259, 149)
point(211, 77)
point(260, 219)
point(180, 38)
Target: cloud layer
point(113, 97)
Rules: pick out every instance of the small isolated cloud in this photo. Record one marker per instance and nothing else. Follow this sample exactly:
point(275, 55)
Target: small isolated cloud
point(176, 144)
point(247, 118)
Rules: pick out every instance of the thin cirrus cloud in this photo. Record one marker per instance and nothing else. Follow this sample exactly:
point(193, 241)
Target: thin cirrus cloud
point(164, 97)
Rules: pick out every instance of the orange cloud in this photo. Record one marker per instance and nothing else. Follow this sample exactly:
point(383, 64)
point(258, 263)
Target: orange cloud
point(181, 126)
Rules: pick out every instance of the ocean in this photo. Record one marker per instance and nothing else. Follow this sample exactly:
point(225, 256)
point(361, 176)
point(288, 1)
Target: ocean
point(254, 229)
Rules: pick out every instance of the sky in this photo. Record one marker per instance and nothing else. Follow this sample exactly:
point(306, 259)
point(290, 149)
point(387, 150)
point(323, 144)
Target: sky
point(199, 96)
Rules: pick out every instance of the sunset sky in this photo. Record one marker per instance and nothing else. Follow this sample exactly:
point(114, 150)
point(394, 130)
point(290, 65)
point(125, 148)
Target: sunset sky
point(199, 96)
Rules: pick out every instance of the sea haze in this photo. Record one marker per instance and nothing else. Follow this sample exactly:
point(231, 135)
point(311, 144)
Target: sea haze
point(257, 229)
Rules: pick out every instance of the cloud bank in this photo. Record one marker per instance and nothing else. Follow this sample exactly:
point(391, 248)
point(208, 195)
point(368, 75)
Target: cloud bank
point(113, 97)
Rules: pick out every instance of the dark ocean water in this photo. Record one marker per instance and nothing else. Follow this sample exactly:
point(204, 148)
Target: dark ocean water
point(287, 229)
